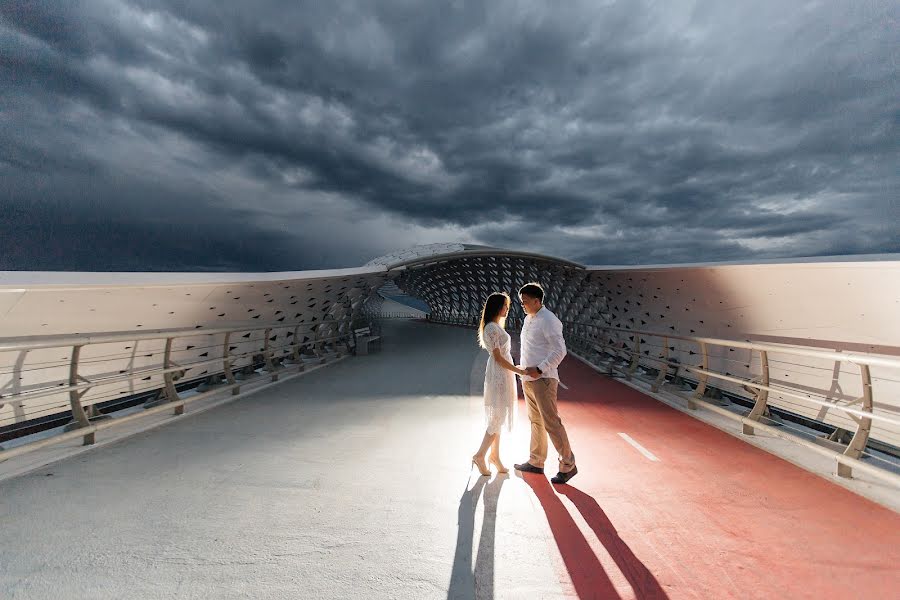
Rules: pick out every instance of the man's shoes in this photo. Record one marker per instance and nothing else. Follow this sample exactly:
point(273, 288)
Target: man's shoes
point(529, 468)
point(564, 477)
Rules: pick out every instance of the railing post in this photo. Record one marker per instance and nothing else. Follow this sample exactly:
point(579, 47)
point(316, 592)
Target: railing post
point(346, 330)
point(295, 355)
point(169, 377)
point(226, 365)
point(348, 334)
point(864, 425)
point(78, 415)
point(762, 395)
point(267, 355)
point(317, 350)
point(704, 378)
point(612, 351)
point(663, 368)
point(635, 358)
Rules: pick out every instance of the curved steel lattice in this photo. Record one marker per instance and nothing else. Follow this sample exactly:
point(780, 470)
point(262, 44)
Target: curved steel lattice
point(456, 287)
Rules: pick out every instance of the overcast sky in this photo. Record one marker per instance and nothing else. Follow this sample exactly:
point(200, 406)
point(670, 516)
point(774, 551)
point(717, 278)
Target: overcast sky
point(264, 136)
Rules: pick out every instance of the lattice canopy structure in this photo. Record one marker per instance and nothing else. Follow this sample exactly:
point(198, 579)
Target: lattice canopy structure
point(455, 279)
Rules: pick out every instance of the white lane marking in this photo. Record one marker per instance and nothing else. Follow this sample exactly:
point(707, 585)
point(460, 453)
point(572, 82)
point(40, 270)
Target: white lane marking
point(640, 448)
point(563, 386)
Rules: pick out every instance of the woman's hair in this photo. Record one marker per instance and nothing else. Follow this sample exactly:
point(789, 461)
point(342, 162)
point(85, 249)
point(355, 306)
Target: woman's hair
point(492, 307)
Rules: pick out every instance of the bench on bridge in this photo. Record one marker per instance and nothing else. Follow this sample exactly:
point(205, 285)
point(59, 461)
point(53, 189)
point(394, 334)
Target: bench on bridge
point(363, 337)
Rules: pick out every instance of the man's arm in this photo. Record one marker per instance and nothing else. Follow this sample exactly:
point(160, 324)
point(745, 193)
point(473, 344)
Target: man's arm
point(553, 334)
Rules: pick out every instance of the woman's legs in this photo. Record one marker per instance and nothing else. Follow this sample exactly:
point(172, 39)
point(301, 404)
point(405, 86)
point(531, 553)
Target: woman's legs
point(478, 458)
point(487, 442)
point(495, 455)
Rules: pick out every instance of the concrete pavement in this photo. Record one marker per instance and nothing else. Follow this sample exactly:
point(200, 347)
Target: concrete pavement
point(353, 482)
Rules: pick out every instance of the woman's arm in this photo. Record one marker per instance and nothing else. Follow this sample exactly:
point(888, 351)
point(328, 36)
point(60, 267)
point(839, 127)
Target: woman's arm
point(501, 360)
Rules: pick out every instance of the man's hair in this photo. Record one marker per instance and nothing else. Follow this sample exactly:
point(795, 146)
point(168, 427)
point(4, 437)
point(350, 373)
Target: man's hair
point(532, 289)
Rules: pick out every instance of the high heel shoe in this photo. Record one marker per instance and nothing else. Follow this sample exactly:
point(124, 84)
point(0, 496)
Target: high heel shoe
point(478, 461)
point(496, 462)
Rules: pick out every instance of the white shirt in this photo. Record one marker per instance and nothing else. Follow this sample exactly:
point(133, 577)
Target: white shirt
point(543, 345)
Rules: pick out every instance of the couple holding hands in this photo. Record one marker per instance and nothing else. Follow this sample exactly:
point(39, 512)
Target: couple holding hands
point(542, 349)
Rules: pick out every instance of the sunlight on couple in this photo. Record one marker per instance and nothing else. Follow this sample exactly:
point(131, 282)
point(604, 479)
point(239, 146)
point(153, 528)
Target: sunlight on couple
point(542, 350)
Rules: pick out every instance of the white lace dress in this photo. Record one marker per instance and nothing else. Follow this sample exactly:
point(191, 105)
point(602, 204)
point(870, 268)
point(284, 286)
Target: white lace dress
point(499, 384)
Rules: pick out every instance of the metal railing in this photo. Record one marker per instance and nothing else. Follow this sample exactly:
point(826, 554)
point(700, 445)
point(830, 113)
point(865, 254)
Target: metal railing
point(285, 358)
point(618, 356)
point(627, 359)
point(399, 315)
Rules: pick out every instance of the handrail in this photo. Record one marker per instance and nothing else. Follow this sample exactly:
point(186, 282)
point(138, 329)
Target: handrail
point(36, 342)
point(78, 386)
point(141, 373)
point(852, 357)
point(756, 385)
point(785, 392)
point(863, 418)
point(845, 463)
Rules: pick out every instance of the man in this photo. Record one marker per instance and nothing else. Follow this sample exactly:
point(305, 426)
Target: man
point(543, 348)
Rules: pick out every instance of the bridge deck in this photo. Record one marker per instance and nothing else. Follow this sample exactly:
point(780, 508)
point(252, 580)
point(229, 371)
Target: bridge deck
point(352, 482)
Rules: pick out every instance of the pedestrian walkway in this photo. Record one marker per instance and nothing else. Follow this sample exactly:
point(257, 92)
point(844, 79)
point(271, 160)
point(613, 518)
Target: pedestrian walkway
point(353, 482)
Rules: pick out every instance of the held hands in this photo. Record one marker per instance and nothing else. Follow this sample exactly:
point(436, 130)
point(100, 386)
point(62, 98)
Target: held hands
point(528, 371)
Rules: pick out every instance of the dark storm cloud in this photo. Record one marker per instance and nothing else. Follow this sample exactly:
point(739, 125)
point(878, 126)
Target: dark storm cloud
point(284, 135)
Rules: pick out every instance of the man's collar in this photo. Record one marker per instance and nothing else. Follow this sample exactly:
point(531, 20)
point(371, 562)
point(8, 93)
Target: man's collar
point(535, 314)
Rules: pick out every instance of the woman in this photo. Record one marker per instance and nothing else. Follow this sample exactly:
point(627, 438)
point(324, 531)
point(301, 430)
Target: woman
point(499, 380)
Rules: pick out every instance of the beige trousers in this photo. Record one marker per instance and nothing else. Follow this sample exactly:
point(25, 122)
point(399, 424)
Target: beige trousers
point(544, 416)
